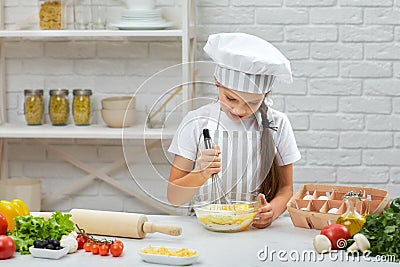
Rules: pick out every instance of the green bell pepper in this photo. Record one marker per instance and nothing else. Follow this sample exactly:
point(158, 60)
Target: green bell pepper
point(395, 205)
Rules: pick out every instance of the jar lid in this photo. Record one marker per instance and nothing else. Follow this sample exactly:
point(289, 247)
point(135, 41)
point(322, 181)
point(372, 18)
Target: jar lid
point(58, 92)
point(33, 92)
point(82, 92)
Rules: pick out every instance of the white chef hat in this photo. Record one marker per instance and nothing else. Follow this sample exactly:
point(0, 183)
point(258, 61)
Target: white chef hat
point(247, 63)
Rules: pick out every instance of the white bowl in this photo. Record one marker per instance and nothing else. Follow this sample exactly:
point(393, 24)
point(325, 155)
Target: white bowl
point(168, 260)
point(48, 253)
point(119, 102)
point(118, 118)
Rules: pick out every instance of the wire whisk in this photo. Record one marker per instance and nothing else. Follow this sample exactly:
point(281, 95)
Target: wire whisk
point(218, 195)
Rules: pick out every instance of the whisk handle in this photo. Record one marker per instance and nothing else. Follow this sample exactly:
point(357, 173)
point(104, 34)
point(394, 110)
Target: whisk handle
point(207, 138)
point(208, 145)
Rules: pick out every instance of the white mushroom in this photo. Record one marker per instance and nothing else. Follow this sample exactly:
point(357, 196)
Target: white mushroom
point(70, 242)
point(322, 244)
point(353, 248)
point(73, 234)
point(362, 242)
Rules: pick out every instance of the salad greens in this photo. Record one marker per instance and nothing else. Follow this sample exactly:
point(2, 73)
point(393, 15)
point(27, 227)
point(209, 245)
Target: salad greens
point(383, 233)
point(31, 228)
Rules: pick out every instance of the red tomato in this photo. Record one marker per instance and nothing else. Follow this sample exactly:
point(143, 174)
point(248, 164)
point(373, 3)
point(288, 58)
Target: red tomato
point(87, 247)
point(3, 225)
point(337, 234)
point(83, 237)
point(95, 249)
point(103, 250)
point(7, 247)
point(119, 242)
point(81, 241)
point(116, 249)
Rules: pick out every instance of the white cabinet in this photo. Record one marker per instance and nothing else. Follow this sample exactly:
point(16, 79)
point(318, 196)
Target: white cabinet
point(185, 32)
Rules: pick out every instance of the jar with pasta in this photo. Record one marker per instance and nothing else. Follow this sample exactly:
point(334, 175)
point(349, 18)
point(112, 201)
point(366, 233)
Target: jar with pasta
point(58, 107)
point(52, 14)
point(81, 106)
point(33, 106)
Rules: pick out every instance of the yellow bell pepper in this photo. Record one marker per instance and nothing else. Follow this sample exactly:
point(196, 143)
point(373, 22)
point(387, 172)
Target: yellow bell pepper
point(21, 207)
point(11, 209)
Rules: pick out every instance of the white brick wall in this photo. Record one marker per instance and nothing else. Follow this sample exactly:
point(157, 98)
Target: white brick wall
point(344, 104)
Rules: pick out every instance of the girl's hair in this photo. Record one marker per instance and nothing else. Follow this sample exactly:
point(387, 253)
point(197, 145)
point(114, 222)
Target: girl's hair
point(270, 185)
point(269, 165)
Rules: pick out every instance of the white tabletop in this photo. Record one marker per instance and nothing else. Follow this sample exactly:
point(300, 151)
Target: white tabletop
point(215, 249)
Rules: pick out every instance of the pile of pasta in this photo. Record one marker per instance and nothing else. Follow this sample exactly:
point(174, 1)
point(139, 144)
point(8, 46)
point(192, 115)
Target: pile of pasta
point(183, 252)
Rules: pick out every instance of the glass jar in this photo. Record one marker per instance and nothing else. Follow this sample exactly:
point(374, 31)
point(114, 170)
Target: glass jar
point(58, 106)
point(81, 106)
point(52, 14)
point(33, 106)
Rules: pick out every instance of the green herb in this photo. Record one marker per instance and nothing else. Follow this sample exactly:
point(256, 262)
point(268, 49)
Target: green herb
point(383, 233)
point(31, 228)
point(395, 205)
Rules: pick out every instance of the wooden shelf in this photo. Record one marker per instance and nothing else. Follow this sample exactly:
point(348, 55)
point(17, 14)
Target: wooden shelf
point(9, 130)
point(90, 33)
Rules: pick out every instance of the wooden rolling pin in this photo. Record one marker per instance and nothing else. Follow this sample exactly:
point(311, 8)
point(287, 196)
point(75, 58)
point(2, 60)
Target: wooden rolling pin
point(122, 224)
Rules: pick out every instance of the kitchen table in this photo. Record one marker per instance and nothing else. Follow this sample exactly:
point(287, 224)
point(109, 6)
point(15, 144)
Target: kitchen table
point(281, 244)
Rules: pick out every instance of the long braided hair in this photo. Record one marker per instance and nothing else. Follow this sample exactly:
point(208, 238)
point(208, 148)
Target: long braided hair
point(269, 165)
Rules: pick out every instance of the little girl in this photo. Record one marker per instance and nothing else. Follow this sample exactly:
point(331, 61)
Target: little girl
point(256, 145)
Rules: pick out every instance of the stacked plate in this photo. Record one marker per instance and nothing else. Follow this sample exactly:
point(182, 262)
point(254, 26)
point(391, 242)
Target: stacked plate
point(142, 19)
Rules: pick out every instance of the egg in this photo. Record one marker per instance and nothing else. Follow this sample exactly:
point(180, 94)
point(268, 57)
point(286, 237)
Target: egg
point(333, 210)
point(323, 198)
point(307, 197)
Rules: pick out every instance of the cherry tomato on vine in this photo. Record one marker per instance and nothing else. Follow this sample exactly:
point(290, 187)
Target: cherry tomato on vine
point(81, 241)
point(87, 247)
point(83, 237)
point(116, 249)
point(103, 250)
point(95, 249)
point(119, 242)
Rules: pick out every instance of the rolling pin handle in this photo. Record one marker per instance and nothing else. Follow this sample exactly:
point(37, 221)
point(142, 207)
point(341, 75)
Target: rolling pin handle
point(149, 227)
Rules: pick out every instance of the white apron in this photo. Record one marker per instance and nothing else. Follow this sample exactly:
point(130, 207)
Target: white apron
point(240, 159)
point(240, 162)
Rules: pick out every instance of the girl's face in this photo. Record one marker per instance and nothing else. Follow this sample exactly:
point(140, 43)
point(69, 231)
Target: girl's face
point(239, 105)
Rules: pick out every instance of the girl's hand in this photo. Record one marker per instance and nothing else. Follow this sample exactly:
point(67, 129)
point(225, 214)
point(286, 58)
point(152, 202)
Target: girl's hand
point(209, 162)
point(264, 215)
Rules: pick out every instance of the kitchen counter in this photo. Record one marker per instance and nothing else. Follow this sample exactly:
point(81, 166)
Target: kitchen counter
point(215, 249)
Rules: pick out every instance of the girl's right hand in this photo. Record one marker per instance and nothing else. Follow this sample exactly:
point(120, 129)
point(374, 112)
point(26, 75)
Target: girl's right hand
point(209, 162)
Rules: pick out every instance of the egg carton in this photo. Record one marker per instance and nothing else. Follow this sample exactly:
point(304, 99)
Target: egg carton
point(314, 205)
